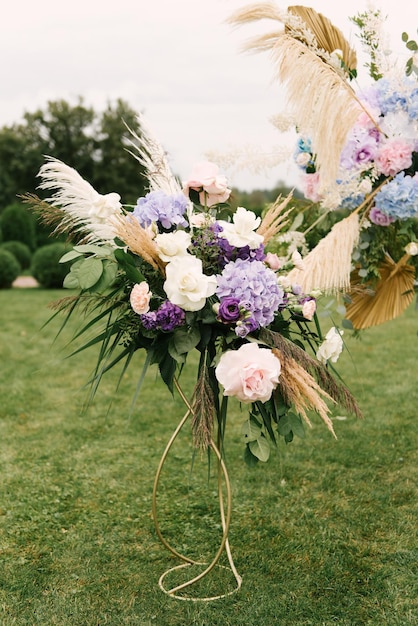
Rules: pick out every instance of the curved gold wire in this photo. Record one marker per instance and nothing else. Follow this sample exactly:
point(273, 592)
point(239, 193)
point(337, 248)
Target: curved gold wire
point(225, 518)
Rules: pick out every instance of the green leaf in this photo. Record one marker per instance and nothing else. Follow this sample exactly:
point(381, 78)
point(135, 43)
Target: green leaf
point(412, 45)
point(184, 340)
point(289, 437)
point(251, 430)
point(71, 281)
point(249, 457)
point(110, 270)
point(297, 425)
point(405, 37)
point(127, 263)
point(260, 449)
point(91, 248)
point(284, 426)
point(90, 272)
point(69, 256)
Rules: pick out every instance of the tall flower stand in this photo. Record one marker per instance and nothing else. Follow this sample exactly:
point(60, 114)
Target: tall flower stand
point(225, 515)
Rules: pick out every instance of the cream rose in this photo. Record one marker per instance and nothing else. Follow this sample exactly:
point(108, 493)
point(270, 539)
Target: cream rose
point(186, 285)
point(171, 245)
point(308, 309)
point(412, 248)
point(140, 297)
point(332, 346)
point(250, 373)
point(241, 232)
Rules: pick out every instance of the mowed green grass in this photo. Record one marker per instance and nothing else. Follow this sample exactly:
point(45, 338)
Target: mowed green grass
point(325, 533)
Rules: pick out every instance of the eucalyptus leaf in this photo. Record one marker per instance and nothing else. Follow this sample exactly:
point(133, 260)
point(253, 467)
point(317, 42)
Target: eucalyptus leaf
point(90, 248)
point(297, 425)
point(69, 256)
point(90, 272)
point(71, 281)
point(260, 449)
point(251, 430)
point(110, 270)
point(284, 426)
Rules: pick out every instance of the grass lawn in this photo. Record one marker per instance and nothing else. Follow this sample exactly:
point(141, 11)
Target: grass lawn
point(325, 533)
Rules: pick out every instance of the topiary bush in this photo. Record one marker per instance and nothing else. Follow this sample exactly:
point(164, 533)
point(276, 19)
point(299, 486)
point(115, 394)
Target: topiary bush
point(18, 224)
point(46, 268)
point(9, 269)
point(20, 251)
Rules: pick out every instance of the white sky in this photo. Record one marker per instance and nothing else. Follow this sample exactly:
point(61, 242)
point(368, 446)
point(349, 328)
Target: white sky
point(177, 61)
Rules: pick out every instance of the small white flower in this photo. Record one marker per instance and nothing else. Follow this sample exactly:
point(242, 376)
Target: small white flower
point(412, 248)
point(171, 245)
point(186, 285)
point(332, 346)
point(241, 232)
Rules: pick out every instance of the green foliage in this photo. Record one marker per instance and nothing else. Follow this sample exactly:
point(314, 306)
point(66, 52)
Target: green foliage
point(17, 224)
point(9, 269)
point(46, 267)
point(20, 251)
point(93, 143)
point(411, 45)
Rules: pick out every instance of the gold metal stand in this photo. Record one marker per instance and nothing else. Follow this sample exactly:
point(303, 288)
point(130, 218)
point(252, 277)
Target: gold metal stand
point(225, 520)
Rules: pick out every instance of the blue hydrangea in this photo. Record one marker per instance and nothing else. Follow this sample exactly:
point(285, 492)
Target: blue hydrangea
point(255, 286)
point(389, 99)
point(157, 206)
point(413, 104)
point(399, 197)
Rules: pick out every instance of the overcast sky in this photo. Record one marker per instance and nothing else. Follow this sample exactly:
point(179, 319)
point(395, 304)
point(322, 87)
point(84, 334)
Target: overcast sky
point(177, 61)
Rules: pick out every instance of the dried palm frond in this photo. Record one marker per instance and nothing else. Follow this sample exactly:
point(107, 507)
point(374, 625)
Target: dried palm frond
point(203, 410)
point(275, 219)
point(138, 240)
point(291, 351)
point(324, 104)
point(83, 209)
point(299, 388)
point(329, 37)
point(392, 294)
point(328, 266)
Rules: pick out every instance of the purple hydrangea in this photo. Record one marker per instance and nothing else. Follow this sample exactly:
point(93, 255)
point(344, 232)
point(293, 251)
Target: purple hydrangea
point(157, 206)
point(166, 318)
point(399, 197)
point(255, 286)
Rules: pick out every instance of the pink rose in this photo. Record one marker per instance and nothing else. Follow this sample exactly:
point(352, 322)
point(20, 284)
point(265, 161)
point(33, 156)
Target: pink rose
point(272, 261)
point(140, 297)
point(250, 373)
point(211, 185)
point(310, 185)
point(394, 156)
point(308, 309)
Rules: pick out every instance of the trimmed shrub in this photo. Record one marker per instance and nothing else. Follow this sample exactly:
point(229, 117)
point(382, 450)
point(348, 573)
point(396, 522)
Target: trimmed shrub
point(20, 251)
point(9, 269)
point(17, 224)
point(46, 268)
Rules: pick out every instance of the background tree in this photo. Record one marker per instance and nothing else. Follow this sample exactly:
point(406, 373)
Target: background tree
point(93, 143)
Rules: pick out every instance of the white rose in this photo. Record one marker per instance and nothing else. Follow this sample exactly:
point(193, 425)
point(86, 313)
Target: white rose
point(240, 232)
point(332, 346)
point(412, 248)
point(171, 245)
point(105, 207)
point(186, 285)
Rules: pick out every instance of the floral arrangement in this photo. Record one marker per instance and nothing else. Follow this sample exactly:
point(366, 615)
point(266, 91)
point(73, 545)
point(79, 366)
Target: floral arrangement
point(182, 271)
point(358, 157)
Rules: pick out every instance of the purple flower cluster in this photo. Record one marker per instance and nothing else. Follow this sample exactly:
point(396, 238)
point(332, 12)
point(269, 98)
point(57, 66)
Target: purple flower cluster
point(254, 286)
point(399, 197)
point(166, 318)
point(230, 253)
point(157, 206)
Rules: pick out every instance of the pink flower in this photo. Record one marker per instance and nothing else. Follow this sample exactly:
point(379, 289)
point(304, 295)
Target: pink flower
point(379, 218)
point(394, 156)
point(250, 373)
point(272, 261)
point(310, 185)
point(308, 309)
point(211, 185)
point(140, 297)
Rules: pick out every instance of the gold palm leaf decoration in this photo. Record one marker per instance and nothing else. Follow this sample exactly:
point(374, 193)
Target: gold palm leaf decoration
point(393, 293)
point(324, 104)
point(328, 36)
